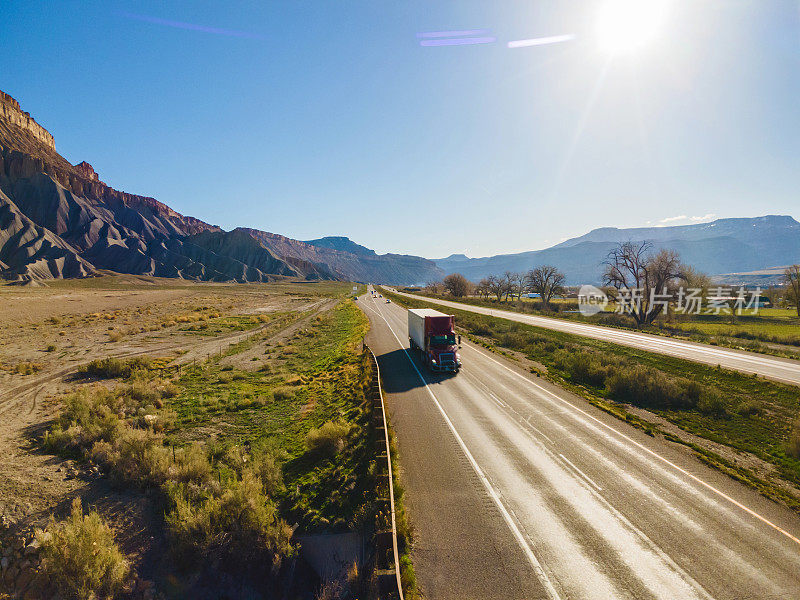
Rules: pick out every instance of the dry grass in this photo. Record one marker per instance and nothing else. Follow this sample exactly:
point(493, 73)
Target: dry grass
point(115, 368)
point(239, 526)
point(26, 367)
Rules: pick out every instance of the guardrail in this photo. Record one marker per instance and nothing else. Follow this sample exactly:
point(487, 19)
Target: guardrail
point(378, 391)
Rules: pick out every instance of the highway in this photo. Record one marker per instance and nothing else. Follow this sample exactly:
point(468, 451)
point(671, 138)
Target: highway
point(518, 489)
point(780, 369)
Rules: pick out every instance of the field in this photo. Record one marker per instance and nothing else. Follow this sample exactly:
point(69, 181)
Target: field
point(746, 426)
point(169, 407)
point(773, 331)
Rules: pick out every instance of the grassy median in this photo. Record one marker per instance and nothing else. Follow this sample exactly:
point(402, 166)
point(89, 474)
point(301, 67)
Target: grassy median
point(774, 331)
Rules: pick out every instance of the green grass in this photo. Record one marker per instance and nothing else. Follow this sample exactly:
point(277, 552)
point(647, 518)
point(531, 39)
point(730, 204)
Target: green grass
point(302, 384)
point(778, 326)
point(221, 325)
point(750, 414)
point(237, 455)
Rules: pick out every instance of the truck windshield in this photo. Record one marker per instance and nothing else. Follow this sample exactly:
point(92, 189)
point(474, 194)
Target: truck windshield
point(443, 340)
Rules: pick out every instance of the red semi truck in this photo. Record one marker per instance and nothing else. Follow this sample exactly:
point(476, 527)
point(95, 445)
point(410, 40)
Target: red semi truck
point(431, 333)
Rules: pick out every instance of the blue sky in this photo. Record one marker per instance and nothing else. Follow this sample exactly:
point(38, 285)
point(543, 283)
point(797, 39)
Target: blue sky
point(330, 118)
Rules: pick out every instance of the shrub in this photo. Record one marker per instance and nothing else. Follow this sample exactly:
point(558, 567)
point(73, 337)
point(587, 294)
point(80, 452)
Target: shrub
point(115, 336)
point(748, 408)
point(115, 368)
point(192, 466)
point(328, 439)
point(268, 469)
point(80, 556)
point(712, 404)
point(283, 393)
point(238, 527)
point(26, 368)
point(644, 386)
point(89, 415)
point(50, 348)
point(170, 390)
point(137, 457)
point(142, 392)
point(583, 367)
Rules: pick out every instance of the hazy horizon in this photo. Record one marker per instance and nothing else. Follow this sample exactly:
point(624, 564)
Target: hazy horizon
point(313, 120)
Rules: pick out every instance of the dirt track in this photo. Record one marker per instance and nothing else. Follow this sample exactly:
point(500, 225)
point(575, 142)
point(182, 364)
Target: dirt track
point(34, 485)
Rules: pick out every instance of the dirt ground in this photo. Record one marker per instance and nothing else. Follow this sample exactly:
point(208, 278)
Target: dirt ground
point(46, 333)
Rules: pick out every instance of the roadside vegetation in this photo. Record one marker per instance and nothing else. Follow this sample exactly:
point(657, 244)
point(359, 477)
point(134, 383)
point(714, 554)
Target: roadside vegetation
point(773, 331)
point(749, 414)
point(81, 557)
point(265, 439)
point(634, 265)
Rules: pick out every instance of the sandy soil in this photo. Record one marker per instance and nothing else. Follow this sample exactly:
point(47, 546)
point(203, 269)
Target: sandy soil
point(61, 327)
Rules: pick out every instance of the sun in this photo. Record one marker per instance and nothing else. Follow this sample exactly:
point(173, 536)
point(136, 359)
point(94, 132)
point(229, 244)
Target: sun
point(626, 26)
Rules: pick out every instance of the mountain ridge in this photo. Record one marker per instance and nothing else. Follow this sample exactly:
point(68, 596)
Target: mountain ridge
point(722, 246)
point(61, 220)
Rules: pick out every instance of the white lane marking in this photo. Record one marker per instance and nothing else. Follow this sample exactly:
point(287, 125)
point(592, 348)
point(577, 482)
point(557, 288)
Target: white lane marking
point(536, 429)
point(581, 473)
point(508, 407)
point(500, 402)
point(708, 486)
point(540, 432)
point(537, 567)
point(605, 528)
point(486, 389)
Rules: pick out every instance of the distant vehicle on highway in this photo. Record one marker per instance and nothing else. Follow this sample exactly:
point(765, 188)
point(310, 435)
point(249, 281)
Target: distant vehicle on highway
point(388, 301)
point(431, 333)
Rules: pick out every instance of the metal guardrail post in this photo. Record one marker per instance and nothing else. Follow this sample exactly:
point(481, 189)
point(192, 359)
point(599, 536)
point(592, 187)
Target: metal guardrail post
point(390, 475)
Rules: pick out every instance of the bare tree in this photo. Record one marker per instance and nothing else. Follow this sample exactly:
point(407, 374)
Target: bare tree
point(495, 286)
point(483, 288)
point(791, 277)
point(642, 280)
point(547, 281)
point(507, 284)
point(696, 280)
point(457, 285)
point(519, 281)
point(434, 287)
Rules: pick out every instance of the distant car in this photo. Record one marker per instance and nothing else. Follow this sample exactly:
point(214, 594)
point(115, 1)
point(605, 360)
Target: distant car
point(388, 301)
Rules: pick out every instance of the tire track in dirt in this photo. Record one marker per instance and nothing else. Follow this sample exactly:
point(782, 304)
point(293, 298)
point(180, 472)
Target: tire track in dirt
point(16, 395)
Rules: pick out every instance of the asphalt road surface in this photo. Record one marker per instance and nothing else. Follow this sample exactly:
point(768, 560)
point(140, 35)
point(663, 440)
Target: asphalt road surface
point(518, 489)
point(786, 370)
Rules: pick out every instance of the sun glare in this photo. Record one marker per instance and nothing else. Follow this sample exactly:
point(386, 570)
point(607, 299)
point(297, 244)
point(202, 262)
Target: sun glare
point(625, 26)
